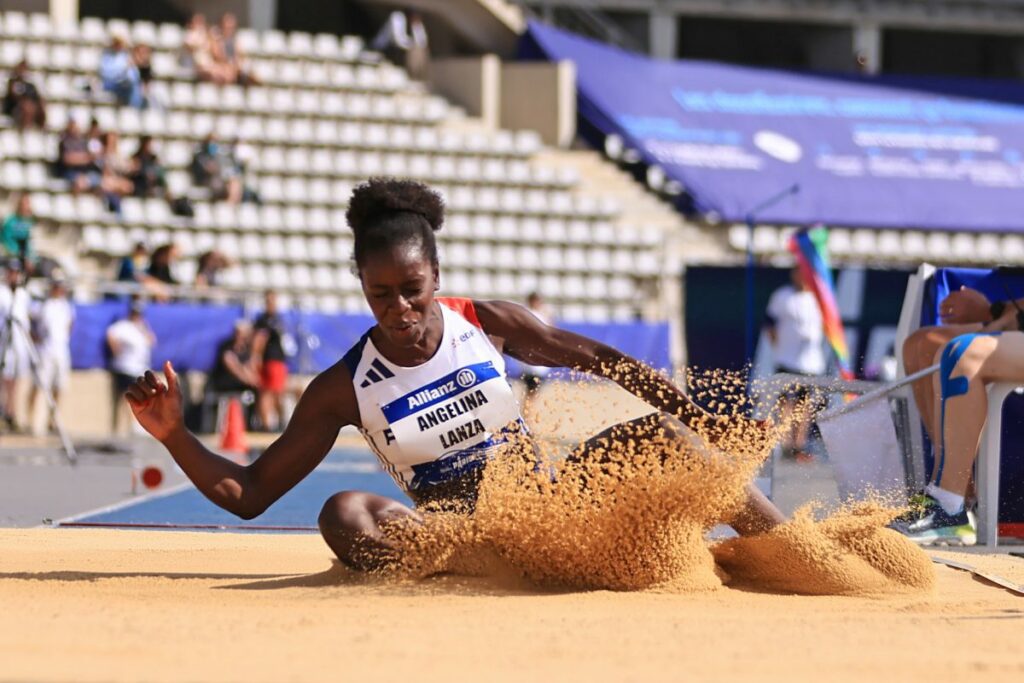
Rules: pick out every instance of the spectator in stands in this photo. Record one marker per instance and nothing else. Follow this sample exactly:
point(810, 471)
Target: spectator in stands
point(403, 41)
point(204, 53)
point(142, 57)
point(210, 265)
point(794, 326)
point(119, 74)
point(75, 163)
point(271, 346)
point(234, 56)
point(235, 369)
point(147, 174)
point(94, 137)
point(134, 267)
point(131, 343)
point(14, 306)
point(215, 168)
point(115, 172)
point(162, 264)
point(54, 318)
point(16, 233)
point(23, 101)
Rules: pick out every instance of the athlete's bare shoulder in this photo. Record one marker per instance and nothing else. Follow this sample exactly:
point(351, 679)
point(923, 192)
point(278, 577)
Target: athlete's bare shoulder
point(333, 393)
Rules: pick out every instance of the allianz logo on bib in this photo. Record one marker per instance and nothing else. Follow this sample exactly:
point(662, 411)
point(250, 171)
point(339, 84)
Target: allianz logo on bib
point(465, 379)
point(452, 384)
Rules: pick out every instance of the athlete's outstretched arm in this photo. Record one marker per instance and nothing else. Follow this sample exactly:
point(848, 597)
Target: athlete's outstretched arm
point(532, 341)
point(327, 405)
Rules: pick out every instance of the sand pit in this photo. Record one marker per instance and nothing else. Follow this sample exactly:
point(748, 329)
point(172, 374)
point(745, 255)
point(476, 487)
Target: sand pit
point(88, 605)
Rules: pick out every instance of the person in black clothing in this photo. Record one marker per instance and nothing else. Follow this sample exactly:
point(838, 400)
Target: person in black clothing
point(271, 339)
point(23, 101)
point(147, 171)
point(161, 263)
point(234, 370)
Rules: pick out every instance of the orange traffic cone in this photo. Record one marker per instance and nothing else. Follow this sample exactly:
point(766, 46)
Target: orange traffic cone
point(233, 438)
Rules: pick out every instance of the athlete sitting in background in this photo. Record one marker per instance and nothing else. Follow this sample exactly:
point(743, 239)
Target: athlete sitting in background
point(988, 353)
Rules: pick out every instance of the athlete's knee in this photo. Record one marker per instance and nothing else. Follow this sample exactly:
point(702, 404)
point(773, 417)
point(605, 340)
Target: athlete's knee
point(339, 515)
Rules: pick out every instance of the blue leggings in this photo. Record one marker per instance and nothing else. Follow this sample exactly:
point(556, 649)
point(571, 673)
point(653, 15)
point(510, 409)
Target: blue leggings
point(951, 387)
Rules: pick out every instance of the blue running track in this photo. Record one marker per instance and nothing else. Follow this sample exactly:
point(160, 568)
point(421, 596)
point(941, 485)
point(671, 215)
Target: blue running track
point(184, 507)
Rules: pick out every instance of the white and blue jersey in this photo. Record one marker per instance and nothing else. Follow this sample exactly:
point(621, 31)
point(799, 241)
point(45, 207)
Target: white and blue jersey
point(437, 421)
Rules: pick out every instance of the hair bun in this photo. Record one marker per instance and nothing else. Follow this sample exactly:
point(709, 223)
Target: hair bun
point(378, 198)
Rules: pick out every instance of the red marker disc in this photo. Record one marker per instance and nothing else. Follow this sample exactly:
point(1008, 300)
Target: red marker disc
point(152, 477)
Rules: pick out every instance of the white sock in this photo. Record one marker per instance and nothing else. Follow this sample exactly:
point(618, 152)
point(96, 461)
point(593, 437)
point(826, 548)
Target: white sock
point(951, 502)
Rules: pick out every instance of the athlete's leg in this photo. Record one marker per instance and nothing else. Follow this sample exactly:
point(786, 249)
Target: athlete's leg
point(919, 351)
point(758, 513)
point(974, 362)
point(350, 522)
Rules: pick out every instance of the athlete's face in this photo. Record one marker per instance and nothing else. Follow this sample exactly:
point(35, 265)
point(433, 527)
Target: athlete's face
point(399, 285)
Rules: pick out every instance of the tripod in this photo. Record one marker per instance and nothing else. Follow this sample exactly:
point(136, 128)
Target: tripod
point(12, 326)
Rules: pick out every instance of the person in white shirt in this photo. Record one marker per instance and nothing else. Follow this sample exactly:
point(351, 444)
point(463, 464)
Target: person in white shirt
point(796, 332)
point(53, 317)
point(404, 42)
point(131, 344)
point(14, 319)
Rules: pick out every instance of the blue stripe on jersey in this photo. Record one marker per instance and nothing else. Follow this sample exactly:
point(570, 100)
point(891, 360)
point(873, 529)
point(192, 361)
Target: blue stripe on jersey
point(450, 385)
point(354, 355)
point(454, 465)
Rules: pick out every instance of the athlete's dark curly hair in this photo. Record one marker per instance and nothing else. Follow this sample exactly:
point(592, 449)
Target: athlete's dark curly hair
point(387, 212)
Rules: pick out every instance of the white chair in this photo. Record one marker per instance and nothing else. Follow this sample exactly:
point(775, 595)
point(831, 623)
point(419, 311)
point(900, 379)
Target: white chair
point(987, 470)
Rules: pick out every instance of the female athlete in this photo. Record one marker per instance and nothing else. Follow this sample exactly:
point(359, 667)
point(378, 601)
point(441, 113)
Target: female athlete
point(426, 387)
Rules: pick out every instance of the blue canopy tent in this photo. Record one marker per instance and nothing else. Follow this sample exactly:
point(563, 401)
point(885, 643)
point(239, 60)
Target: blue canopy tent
point(888, 152)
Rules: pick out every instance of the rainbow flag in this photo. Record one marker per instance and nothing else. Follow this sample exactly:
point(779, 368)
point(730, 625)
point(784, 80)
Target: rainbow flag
point(811, 250)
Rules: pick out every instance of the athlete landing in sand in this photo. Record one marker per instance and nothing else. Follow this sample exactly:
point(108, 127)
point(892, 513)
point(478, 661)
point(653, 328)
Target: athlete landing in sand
point(426, 386)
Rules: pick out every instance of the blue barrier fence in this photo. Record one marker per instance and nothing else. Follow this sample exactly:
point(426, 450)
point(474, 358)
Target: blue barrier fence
point(188, 334)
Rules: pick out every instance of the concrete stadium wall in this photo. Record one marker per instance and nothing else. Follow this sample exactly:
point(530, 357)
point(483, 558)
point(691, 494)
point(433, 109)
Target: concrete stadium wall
point(474, 83)
point(540, 96)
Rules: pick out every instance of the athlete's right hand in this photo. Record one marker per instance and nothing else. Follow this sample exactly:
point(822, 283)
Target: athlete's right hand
point(156, 404)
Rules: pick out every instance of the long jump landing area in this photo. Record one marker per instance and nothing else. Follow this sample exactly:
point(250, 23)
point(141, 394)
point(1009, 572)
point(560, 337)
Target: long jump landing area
point(116, 604)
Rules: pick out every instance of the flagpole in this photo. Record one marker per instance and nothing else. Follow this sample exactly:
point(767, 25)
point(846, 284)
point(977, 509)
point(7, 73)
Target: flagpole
point(751, 337)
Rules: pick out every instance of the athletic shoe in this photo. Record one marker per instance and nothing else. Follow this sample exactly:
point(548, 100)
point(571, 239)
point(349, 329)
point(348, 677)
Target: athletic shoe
point(928, 524)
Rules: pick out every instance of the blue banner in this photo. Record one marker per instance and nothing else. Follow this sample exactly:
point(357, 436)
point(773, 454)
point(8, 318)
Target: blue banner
point(188, 335)
point(885, 153)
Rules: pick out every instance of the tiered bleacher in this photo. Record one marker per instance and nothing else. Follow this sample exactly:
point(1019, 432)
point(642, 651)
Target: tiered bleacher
point(328, 115)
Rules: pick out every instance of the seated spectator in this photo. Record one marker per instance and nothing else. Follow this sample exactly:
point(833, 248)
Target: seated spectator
point(115, 172)
point(75, 163)
point(119, 74)
point(215, 168)
point(204, 54)
point(23, 102)
point(147, 172)
point(16, 233)
point(403, 41)
point(142, 57)
point(162, 263)
point(233, 54)
point(235, 369)
point(211, 263)
point(94, 137)
point(133, 269)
